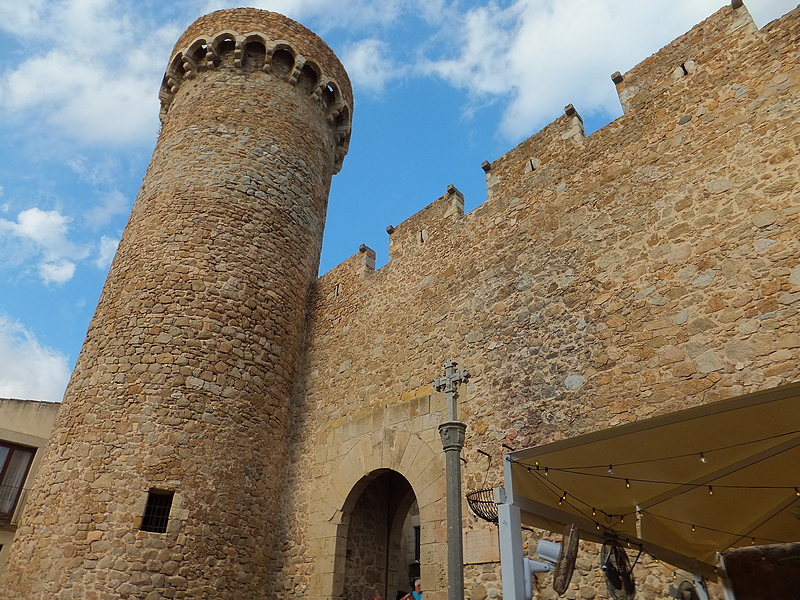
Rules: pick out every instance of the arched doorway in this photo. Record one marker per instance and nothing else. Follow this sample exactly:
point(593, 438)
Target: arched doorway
point(382, 538)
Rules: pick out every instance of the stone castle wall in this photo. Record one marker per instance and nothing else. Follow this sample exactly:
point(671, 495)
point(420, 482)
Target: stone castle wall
point(651, 266)
point(185, 379)
point(647, 268)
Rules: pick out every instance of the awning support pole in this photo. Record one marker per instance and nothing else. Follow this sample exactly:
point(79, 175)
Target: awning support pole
point(700, 586)
point(511, 559)
point(724, 581)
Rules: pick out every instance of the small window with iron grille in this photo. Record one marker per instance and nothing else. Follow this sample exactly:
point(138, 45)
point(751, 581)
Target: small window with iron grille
point(156, 512)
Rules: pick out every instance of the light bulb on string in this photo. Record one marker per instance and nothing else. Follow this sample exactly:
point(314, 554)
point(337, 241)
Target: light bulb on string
point(710, 491)
point(702, 458)
point(564, 497)
point(693, 528)
point(627, 483)
point(545, 472)
point(610, 469)
point(796, 491)
point(594, 511)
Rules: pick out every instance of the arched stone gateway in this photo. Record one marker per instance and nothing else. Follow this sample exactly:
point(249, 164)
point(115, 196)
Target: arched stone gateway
point(383, 532)
point(383, 485)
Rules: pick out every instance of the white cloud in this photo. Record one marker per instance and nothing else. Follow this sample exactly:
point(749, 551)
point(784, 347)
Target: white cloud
point(57, 272)
point(368, 65)
point(86, 74)
point(28, 369)
point(333, 13)
point(106, 251)
point(46, 227)
point(21, 17)
point(113, 204)
point(543, 55)
point(42, 234)
point(355, 15)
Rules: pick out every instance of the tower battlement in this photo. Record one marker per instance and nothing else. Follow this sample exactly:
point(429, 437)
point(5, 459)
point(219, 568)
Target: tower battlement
point(250, 40)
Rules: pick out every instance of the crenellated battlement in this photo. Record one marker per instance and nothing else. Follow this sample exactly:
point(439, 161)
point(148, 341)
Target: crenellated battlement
point(689, 60)
point(670, 99)
point(303, 61)
point(411, 236)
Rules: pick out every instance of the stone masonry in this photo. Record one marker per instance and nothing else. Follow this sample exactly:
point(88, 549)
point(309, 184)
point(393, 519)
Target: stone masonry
point(651, 266)
point(185, 379)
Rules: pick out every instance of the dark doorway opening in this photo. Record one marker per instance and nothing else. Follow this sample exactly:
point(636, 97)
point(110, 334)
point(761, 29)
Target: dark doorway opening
point(383, 539)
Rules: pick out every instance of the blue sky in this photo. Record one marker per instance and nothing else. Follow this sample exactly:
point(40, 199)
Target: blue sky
point(440, 86)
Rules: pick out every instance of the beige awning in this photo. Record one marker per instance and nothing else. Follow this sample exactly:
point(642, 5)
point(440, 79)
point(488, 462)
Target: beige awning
point(682, 486)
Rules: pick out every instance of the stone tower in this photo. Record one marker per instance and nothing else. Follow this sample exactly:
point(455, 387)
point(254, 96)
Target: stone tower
point(164, 474)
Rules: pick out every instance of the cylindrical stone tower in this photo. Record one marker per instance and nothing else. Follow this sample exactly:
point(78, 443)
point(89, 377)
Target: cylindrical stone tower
point(164, 473)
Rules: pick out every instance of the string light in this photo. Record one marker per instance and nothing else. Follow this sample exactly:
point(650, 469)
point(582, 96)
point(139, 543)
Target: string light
point(702, 458)
point(562, 495)
point(627, 483)
point(728, 533)
point(574, 471)
point(610, 469)
point(694, 453)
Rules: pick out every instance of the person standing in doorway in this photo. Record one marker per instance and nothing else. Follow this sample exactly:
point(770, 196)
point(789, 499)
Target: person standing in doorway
point(416, 594)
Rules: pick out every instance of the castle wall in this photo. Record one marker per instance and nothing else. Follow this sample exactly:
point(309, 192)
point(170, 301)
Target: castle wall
point(647, 268)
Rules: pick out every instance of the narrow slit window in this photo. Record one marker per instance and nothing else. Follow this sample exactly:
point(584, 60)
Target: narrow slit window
point(156, 512)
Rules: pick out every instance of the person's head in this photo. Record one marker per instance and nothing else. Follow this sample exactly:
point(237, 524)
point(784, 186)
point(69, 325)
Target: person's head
point(418, 585)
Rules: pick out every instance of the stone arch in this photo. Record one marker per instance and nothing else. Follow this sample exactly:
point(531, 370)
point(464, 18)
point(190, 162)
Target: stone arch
point(198, 50)
point(330, 95)
point(309, 77)
point(176, 69)
point(170, 83)
point(389, 449)
point(223, 45)
point(342, 125)
point(280, 58)
point(197, 57)
point(370, 551)
point(254, 52)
